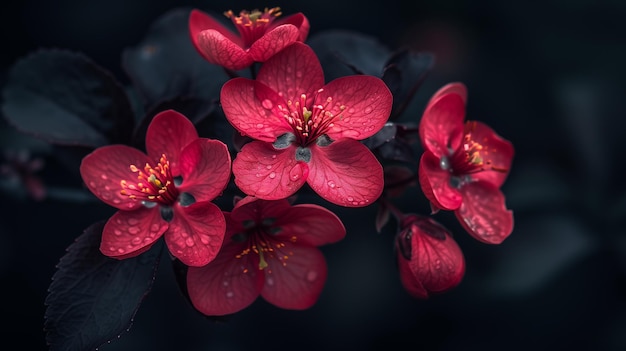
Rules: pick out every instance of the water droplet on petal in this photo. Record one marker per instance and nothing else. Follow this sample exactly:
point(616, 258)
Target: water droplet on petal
point(351, 110)
point(190, 242)
point(268, 166)
point(331, 184)
point(272, 175)
point(117, 232)
point(269, 281)
point(104, 176)
point(259, 125)
point(368, 109)
point(230, 294)
point(267, 103)
point(120, 250)
point(350, 198)
point(155, 227)
point(132, 221)
point(133, 230)
point(311, 276)
point(225, 283)
point(136, 241)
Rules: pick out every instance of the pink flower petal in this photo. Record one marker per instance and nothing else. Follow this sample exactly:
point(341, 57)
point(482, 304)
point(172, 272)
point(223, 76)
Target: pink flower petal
point(205, 168)
point(410, 283)
point(346, 173)
point(200, 21)
point(310, 224)
point(294, 71)
point(441, 126)
point(252, 108)
point(227, 284)
point(104, 169)
point(435, 183)
point(273, 41)
point(451, 88)
point(265, 172)
point(297, 282)
point(300, 21)
point(361, 105)
point(168, 133)
point(438, 264)
point(497, 151)
point(484, 214)
point(196, 233)
point(220, 50)
point(130, 233)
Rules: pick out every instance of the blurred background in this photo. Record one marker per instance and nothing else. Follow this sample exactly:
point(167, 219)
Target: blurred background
point(547, 76)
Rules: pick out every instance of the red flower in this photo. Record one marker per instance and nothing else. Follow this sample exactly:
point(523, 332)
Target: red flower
point(306, 131)
point(166, 192)
point(260, 36)
point(270, 250)
point(464, 165)
point(429, 260)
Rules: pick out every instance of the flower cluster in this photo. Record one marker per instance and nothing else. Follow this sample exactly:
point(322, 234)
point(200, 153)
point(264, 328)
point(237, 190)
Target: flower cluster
point(300, 130)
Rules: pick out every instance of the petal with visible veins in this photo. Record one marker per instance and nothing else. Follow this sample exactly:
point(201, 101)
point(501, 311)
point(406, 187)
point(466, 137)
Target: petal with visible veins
point(273, 41)
point(168, 133)
point(441, 126)
point(130, 233)
point(435, 183)
point(205, 169)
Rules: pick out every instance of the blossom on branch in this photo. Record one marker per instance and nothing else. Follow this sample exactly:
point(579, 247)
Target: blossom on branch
point(166, 192)
point(260, 36)
point(306, 131)
point(270, 250)
point(464, 165)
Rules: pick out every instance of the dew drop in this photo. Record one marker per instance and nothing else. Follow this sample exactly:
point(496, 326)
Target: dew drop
point(368, 109)
point(189, 242)
point(273, 156)
point(104, 176)
point(120, 250)
point(106, 196)
point(230, 294)
point(258, 175)
point(311, 276)
point(112, 248)
point(268, 166)
point(155, 227)
point(132, 221)
point(133, 230)
point(267, 103)
point(92, 184)
point(350, 198)
point(225, 283)
point(136, 241)
point(269, 281)
point(205, 240)
point(259, 125)
point(107, 188)
point(272, 175)
point(117, 232)
point(117, 201)
point(299, 74)
point(331, 184)
point(351, 110)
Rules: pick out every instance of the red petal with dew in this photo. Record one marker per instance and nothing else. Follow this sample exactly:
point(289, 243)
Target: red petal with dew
point(294, 71)
point(265, 172)
point(220, 50)
point(496, 150)
point(297, 282)
point(252, 109)
point(441, 126)
point(130, 233)
point(200, 21)
point(310, 225)
point(168, 133)
point(104, 168)
point(484, 214)
point(435, 183)
point(408, 280)
point(226, 285)
point(196, 233)
point(346, 173)
point(361, 105)
point(300, 21)
point(205, 168)
point(273, 41)
point(437, 264)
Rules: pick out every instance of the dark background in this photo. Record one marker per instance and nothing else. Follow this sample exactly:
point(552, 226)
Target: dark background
point(548, 76)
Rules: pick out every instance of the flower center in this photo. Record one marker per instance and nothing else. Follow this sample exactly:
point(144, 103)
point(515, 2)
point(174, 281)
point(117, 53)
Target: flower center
point(309, 123)
point(253, 24)
point(471, 157)
point(261, 239)
point(154, 184)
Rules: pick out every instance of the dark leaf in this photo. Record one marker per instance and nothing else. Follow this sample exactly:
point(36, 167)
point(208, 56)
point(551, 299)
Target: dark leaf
point(397, 150)
point(65, 98)
point(93, 298)
point(165, 65)
point(344, 52)
point(386, 134)
point(404, 73)
point(382, 217)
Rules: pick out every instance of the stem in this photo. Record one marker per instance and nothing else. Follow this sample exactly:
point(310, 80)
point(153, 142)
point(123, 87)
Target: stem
point(397, 214)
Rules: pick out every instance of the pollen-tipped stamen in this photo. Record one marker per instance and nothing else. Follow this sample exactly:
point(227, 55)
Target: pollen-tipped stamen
point(154, 184)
